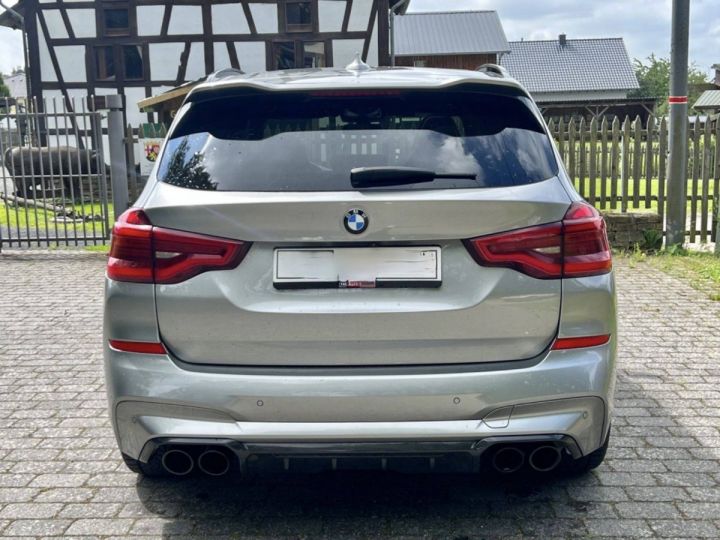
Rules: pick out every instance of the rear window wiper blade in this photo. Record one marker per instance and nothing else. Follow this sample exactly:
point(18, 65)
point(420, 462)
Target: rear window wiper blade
point(398, 176)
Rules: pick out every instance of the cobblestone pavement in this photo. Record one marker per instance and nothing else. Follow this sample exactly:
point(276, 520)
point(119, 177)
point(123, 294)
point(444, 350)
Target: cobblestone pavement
point(60, 472)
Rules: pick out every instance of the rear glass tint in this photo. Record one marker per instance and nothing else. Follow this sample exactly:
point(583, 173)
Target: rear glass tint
point(312, 141)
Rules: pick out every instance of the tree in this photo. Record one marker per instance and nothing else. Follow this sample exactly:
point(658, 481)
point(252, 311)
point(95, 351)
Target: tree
point(4, 90)
point(654, 79)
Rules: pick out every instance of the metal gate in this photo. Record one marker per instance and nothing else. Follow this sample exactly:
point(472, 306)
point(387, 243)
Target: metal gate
point(53, 178)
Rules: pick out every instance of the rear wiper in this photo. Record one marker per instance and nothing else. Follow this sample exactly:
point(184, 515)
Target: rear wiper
point(398, 176)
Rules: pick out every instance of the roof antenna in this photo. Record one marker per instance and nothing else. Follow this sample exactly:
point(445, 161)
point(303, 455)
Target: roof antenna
point(357, 64)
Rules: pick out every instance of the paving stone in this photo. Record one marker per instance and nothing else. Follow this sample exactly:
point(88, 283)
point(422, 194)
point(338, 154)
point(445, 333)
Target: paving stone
point(61, 474)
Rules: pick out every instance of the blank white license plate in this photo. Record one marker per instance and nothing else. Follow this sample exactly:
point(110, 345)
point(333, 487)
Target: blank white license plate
point(362, 267)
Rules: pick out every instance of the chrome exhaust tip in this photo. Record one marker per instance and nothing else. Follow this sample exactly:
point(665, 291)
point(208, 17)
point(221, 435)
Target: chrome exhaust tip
point(545, 458)
point(177, 462)
point(508, 459)
point(214, 462)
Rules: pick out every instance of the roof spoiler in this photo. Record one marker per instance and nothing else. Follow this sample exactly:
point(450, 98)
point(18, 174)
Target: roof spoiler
point(494, 70)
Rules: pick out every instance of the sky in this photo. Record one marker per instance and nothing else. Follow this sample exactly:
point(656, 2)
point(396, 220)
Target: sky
point(645, 24)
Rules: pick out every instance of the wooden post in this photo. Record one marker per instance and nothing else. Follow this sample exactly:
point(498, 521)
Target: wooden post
point(593, 160)
point(716, 190)
point(603, 161)
point(662, 164)
point(625, 158)
point(705, 188)
point(614, 160)
point(571, 151)
point(649, 161)
point(695, 179)
point(582, 159)
point(637, 160)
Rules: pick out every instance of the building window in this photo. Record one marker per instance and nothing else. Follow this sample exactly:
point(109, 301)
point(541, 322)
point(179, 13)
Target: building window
point(132, 62)
point(419, 63)
point(116, 21)
point(298, 17)
point(104, 63)
point(314, 54)
point(125, 60)
point(299, 54)
point(284, 55)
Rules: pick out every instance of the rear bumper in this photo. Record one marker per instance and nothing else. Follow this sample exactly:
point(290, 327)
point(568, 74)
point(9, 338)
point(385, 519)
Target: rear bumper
point(564, 393)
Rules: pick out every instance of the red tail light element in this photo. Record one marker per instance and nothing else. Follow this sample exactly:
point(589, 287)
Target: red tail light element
point(143, 347)
point(142, 253)
point(562, 344)
point(577, 246)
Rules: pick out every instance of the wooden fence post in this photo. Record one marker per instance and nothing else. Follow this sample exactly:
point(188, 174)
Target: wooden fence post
point(662, 166)
point(695, 156)
point(649, 160)
point(625, 159)
point(571, 151)
point(592, 171)
point(603, 161)
point(614, 162)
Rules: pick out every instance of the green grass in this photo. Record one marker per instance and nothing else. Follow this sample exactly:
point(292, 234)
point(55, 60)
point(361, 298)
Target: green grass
point(37, 218)
point(700, 270)
point(99, 249)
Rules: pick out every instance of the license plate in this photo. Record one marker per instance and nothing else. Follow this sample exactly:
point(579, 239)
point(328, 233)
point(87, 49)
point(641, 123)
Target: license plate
point(363, 267)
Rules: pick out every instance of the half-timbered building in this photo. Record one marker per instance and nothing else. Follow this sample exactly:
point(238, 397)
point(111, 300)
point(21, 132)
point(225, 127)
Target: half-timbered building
point(141, 48)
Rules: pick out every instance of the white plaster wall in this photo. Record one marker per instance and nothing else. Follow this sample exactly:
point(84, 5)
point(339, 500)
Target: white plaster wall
point(344, 51)
point(55, 24)
point(149, 20)
point(196, 62)
point(251, 55)
point(222, 58)
point(47, 72)
point(265, 17)
point(360, 15)
point(164, 60)
point(83, 22)
point(185, 20)
point(229, 19)
point(71, 59)
point(372, 57)
point(133, 116)
point(330, 15)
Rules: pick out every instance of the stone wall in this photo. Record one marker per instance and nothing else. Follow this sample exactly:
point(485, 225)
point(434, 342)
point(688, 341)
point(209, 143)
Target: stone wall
point(625, 231)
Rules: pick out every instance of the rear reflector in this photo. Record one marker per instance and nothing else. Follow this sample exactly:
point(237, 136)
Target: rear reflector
point(580, 342)
point(577, 246)
point(143, 347)
point(142, 253)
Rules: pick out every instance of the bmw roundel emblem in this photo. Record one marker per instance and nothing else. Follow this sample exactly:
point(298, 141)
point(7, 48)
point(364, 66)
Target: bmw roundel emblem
point(356, 221)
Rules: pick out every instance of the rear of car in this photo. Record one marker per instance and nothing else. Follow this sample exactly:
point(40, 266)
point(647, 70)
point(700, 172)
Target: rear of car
point(332, 266)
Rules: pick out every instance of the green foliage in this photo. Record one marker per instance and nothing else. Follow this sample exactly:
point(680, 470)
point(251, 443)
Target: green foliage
point(654, 78)
point(652, 240)
point(4, 90)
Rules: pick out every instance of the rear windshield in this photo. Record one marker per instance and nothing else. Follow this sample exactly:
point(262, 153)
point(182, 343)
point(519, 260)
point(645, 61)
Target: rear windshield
point(312, 142)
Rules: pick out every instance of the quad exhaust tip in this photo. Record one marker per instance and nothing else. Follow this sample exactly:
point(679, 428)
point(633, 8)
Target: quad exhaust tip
point(508, 459)
point(545, 458)
point(177, 462)
point(214, 462)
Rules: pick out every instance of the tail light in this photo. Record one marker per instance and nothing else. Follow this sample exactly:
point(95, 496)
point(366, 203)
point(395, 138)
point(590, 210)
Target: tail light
point(577, 246)
point(143, 253)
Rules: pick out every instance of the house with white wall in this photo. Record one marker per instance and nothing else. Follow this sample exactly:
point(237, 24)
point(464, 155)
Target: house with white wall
point(140, 48)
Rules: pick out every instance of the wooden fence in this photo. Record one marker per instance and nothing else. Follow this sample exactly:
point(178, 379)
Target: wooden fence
point(621, 166)
point(616, 165)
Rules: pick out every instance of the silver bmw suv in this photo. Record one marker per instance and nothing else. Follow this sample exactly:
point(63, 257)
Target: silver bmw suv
point(342, 267)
